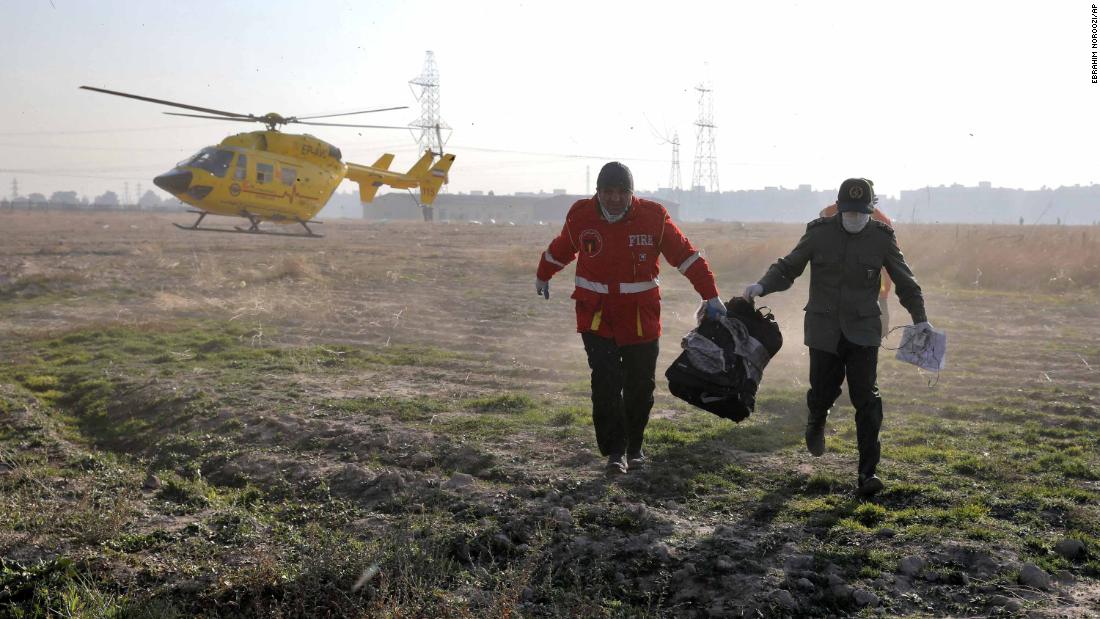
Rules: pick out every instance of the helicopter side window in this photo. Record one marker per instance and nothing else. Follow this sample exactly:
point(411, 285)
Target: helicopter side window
point(288, 175)
point(212, 160)
point(241, 171)
point(265, 172)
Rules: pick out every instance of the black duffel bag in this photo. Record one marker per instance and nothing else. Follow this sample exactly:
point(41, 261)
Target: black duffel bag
point(724, 360)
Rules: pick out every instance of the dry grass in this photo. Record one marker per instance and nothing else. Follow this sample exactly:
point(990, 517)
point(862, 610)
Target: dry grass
point(1048, 258)
point(1009, 258)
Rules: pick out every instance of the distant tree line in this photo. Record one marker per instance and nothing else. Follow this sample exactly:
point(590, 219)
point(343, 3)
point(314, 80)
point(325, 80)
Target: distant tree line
point(108, 200)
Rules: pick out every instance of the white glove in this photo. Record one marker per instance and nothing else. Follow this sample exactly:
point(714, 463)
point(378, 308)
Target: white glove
point(715, 308)
point(753, 291)
point(923, 327)
point(542, 288)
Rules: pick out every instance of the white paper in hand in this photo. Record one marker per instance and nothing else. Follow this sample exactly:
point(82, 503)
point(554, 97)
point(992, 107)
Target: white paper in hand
point(924, 349)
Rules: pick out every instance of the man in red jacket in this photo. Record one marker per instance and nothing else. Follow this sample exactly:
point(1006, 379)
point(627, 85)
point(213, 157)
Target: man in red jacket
point(618, 238)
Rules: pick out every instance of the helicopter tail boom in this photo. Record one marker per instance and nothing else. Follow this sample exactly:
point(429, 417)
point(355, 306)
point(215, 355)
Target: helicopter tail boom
point(429, 178)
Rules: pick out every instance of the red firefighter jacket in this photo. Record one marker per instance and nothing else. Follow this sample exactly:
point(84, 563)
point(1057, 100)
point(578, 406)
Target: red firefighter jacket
point(617, 291)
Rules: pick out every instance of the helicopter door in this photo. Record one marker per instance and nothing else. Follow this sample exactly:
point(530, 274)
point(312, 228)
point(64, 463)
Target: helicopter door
point(240, 172)
point(287, 174)
point(265, 173)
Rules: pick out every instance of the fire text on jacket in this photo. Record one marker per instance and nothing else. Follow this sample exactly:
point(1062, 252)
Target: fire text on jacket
point(641, 239)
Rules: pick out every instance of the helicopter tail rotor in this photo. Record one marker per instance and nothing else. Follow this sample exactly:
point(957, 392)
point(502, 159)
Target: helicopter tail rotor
point(436, 176)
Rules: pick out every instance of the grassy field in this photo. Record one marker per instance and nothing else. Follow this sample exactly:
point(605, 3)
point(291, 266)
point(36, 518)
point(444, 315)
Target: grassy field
point(389, 423)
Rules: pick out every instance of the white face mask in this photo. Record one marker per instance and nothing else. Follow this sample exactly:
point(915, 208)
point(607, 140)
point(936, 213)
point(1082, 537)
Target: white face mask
point(619, 206)
point(854, 222)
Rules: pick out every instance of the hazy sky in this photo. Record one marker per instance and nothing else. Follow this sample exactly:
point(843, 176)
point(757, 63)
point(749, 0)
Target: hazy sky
point(907, 94)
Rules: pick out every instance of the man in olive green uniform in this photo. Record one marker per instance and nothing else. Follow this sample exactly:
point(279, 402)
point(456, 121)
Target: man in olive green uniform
point(846, 253)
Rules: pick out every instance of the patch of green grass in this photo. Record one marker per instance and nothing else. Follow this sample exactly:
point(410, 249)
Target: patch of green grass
point(708, 483)
point(571, 416)
point(188, 493)
point(89, 397)
point(420, 408)
point(56, 587)
point(662, 433)
point(921, 453)
point(486, 426)
point(826, 482)
point(825, 511)
point(136, 542)
point(41, 383)
point(870, 514)
point(501, 403)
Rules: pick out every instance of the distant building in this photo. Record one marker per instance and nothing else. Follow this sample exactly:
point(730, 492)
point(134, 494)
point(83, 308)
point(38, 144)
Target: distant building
point(983, 203)
point(1076, 205)
point(768, 204)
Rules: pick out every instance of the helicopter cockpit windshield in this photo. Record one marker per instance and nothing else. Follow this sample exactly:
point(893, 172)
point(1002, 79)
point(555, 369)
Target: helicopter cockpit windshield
point(213, 160)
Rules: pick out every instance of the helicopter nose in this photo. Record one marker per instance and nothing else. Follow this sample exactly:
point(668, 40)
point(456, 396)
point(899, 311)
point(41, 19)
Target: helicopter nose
point(176, 181)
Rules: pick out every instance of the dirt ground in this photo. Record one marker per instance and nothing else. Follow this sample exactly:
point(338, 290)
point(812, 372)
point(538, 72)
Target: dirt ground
point(454, 386)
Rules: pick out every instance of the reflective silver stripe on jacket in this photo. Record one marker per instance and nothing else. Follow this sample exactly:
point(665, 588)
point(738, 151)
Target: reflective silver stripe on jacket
point(632, 287)
point(626, 288)
point(590, 285)
point(686, 264)
point(550, 259)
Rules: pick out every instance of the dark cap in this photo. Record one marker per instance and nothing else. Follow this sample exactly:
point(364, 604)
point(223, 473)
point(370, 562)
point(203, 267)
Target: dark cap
point(856, 195)
point(615, 175)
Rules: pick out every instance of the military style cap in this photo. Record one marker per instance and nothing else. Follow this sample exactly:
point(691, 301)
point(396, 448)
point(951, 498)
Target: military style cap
point(856, 195)
point(615, 175)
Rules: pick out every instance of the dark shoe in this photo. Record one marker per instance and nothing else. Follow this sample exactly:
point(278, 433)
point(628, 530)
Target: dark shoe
point(636, 460)
point(616, 465)
point(815, 438)
point(869, 486)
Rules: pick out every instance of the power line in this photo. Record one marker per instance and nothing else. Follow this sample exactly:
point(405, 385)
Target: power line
point(558, 155)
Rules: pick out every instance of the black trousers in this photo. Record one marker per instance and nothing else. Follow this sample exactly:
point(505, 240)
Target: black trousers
point(860, 365)
point(622, 392)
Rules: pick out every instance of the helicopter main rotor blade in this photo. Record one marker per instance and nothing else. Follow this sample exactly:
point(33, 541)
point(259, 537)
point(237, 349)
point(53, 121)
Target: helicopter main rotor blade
point(383, 109)
point(240, 120)
point(341, 125)
point(172, 103)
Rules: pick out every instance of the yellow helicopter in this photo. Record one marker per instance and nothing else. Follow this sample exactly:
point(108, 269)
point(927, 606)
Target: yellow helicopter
point(280, 177)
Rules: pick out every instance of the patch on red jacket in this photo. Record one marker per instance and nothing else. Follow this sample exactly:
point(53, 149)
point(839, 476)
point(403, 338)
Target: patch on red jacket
point(591, 242)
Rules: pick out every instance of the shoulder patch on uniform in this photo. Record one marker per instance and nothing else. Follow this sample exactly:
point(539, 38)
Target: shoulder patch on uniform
point(820, 220)
point(882, 226)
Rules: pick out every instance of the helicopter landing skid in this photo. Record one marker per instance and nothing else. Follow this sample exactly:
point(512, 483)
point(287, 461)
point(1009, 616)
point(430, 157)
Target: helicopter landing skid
point(254, 228)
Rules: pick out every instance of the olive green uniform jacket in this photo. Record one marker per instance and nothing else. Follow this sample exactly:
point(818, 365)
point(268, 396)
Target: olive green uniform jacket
point(844, 281)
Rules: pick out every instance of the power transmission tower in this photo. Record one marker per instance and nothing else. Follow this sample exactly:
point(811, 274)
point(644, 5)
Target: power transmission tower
point(14, 189)
point(705, 174)
point(675, 181)
point(429, 127)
